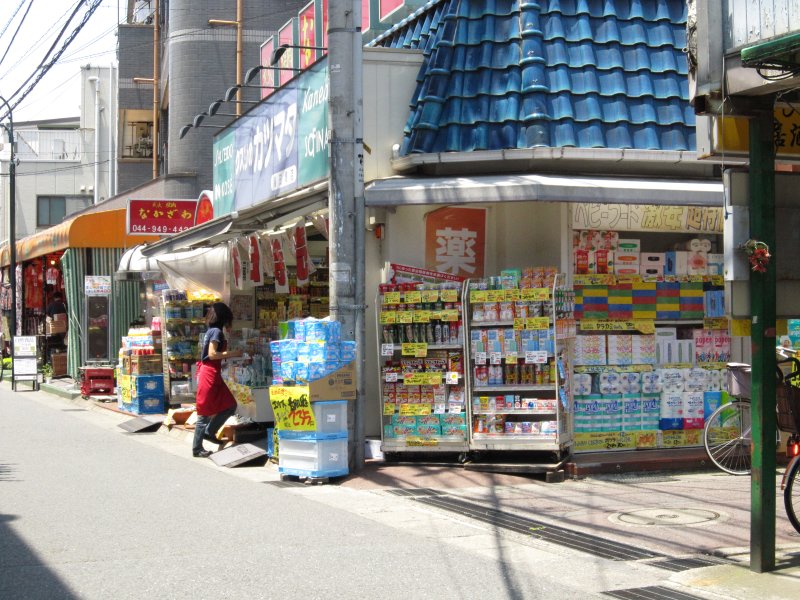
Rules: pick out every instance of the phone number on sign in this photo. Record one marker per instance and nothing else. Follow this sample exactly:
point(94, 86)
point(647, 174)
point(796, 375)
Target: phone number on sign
point(158, 228)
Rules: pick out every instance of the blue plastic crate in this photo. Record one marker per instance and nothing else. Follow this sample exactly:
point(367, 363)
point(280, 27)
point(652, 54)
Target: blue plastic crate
point(144, 405)
point(322, 473)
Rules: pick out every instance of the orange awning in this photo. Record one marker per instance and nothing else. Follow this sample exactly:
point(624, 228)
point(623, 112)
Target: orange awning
point(104, 229)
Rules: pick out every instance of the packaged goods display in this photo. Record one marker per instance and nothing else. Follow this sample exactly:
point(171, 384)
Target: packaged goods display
point(519, 330)
point(140, 384)
point(273, 308)
point(423, 396)
point(311, 349)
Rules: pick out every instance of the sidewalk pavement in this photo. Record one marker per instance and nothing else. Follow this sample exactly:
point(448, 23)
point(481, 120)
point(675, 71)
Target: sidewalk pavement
point(701, 516)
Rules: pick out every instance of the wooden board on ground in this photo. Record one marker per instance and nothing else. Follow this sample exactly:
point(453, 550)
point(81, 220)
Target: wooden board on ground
point(237, 455)
point(143, 424)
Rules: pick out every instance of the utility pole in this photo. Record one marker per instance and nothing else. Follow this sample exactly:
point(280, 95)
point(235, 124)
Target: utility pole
point(762, 332)
point(346, 197)
point(12, 229)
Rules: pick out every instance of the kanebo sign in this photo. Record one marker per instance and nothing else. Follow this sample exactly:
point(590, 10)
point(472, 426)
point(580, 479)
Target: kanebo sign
point(278, 146)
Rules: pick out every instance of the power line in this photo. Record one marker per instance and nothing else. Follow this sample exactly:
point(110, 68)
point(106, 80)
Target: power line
point(19, 26)
point(11, 18)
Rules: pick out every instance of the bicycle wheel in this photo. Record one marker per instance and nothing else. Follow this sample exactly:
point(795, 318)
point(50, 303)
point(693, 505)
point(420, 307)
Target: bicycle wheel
point(791, 494)
point(727, 437)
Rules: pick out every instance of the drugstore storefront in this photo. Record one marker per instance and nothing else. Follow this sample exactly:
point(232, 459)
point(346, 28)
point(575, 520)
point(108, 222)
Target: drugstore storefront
point(638, 358)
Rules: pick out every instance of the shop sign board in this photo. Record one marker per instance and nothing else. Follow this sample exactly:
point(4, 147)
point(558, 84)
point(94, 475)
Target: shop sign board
point(647, 217)
point(160, 217)
point(24, 366)
point(398, 273)
point(455, 240)
point(267, 75)
point(292, 408)
point(263, 155)
point(307, 31)
point(286, 35)
point(718, 137)
point(97, 285)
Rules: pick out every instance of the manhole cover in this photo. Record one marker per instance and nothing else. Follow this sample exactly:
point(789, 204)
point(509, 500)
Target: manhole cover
point(667, 517)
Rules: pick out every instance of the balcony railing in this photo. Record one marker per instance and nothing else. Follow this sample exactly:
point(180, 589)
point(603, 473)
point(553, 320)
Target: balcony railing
point(37, 144)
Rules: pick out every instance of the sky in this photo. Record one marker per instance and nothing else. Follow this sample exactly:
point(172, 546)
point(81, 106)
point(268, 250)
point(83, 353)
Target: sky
point(58, 93)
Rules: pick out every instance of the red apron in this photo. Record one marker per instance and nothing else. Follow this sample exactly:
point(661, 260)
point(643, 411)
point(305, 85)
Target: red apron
point(213, 396)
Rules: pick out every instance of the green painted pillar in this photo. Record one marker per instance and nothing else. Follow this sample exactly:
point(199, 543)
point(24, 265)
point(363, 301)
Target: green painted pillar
point(762, 299)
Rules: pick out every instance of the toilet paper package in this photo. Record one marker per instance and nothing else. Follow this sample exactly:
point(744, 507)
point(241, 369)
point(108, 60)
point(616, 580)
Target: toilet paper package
point(671, 414)
point(672, 380)
point(582, 384)
point(609, 383)
point(651, 411)
point(609, 413)
point(711, 402)
point(631, 412)
point(587, 410)
point(693, 410)
point(695, 380)
point(630, 383)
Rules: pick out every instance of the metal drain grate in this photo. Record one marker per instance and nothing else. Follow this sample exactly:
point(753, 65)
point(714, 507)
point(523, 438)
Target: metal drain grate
point(416, 492)
point(686, 564)
point(656, 592)
point(576, 540)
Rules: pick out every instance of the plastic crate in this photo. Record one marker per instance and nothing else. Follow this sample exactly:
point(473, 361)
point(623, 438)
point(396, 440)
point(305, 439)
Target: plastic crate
point(313, 458)
point(331, 419)
point(143, 405)
point(147, 385)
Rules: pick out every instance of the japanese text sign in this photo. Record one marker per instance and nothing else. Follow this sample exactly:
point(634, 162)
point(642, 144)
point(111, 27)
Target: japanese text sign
point(160, 217)
point(292, 408)
point(455, 240)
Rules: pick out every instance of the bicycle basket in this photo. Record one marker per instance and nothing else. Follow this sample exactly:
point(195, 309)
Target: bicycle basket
point(788, 403)
point(739, 380)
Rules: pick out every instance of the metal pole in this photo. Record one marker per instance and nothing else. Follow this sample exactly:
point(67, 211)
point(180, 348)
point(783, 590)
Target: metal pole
point(239, 44)
point(346, 196)
point(12, 229)
point(762, 298)
point(156, 93)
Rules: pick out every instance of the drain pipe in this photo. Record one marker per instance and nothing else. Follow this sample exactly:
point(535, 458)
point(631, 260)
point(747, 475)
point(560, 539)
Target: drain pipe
point(96, 81)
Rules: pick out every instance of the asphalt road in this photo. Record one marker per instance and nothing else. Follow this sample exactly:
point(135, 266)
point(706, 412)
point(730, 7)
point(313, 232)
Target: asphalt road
point(89, 511)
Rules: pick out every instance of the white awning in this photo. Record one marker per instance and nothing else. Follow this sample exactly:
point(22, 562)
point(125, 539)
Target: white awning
point(397, 191)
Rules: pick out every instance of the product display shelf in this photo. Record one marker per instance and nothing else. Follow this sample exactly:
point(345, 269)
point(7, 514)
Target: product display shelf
point(180, 343)
point(536, 406)
point(440, 400)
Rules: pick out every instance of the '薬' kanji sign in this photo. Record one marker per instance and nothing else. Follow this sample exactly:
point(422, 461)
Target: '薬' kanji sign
point(160, 217)
point(455, 240)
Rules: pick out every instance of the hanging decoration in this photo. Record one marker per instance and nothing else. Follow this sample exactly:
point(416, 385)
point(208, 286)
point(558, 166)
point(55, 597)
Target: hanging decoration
point(299, 245)
point(256, 273)
point(279, 264)
point(321, 224)
point(757, 254)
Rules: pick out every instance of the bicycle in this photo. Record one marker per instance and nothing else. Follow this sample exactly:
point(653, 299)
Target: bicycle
point(727, 432)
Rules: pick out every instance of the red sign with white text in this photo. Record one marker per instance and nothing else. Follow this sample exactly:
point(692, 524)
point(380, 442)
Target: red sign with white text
point(286, 62)
point(160, 217)
point(307, 36)
point(267, 75)
point(455, 240)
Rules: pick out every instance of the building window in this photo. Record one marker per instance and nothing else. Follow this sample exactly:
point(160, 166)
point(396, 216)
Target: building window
point(50, 210)
point(137, 133)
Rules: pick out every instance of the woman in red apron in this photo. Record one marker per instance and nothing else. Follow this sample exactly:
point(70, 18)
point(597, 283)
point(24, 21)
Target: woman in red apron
point(215, 403)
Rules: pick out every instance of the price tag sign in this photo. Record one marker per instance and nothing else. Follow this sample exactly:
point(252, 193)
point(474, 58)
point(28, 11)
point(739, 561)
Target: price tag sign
point(495, 295)
point(415, 349)
point(513, 295)
point(511, 357)
point(391, 298)
point(477, 295)
point(388, 317)
point(536, 357)
point(480, 358)
point(408, 409)
point(537, 323)
point(387, 349)
point(388, 409)
point(448, 315)
point(422, 409)
point(449, 295)
point(715, 323)
point(535, 294)
point(451, 378)
point(430, 295)
point(422, 316)
point(519, 323)
point(495, 358)
point(390, 377)
point(423, 378)
point(405, 316)
point(413, 297)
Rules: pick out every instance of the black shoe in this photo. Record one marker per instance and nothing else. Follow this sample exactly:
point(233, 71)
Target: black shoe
point(202, 454)
point(214, 440)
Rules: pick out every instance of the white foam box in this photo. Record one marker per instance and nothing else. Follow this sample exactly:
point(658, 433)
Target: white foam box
point(629, 247)
point(716, 264)
point(651, 270)
point(676, 262)
point(652, 259)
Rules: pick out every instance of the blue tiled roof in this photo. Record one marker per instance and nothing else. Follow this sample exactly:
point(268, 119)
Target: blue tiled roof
point(522, 73)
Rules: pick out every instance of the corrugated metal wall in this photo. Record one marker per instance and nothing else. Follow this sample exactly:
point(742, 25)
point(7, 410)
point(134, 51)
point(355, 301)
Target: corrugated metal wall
point(125, 303)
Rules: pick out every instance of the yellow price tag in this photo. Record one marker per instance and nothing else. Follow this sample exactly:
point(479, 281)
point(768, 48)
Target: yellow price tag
point(495, 295)
point(388, 409)
point(422, 316)
point(535, 294)
point(448, 315)
point(740, 327)
point(477, 295)
point(519, 323)
point(388, 317)
point(537, 323)
point(391, 298)
point(513, 295)
point(629, 279)
point(715, 323)
point(417, 441)
point(717, 280)
point(405, 316)
point(415, 349)
point(408, 409)
point(432, 378)
point(422, 409)
point(430, 295)
point(646, 439)
point(414, 297)
point(448, 295)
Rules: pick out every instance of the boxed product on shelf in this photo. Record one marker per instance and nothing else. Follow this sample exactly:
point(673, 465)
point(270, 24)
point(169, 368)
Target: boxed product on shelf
point(590, 350)
point(148, 364)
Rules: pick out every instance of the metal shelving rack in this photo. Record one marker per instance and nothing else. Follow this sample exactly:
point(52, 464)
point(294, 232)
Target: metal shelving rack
point(558, 390)
point(418, 444)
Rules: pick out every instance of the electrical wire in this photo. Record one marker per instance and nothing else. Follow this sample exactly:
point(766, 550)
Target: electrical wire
point(19, 26)
point(11, 18)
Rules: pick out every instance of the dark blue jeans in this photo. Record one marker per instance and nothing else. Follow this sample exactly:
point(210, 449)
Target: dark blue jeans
point(209, 426)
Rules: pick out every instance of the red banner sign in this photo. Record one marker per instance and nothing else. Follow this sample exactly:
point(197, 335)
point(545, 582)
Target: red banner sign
point(455, 240)
point(160, 217)
point(308, 30)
